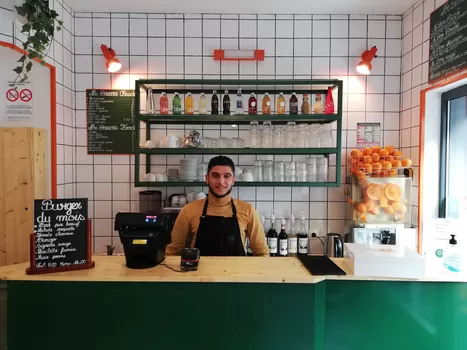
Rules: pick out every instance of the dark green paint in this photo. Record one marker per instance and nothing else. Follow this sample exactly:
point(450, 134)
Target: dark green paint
point(237, 184)
point(268, 151)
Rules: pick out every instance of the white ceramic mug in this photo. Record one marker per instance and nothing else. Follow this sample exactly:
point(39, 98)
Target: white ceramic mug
point(174, 201)
point(149, 144)
point(190, 196)
point(152, 178)
point(160, 177)
point(200, 195)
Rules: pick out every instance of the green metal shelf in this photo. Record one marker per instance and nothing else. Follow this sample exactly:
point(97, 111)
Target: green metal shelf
point(261, 151)
point(237, 184)
point(236, 119)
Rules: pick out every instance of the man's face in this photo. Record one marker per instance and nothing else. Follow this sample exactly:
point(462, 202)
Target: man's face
point(220, 180)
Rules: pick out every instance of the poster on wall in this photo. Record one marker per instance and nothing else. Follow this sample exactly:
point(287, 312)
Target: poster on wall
point(19, 99)
point(368, 135)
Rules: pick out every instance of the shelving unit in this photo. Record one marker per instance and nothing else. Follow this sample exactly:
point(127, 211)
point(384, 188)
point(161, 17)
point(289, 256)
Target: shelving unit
point(273, 87)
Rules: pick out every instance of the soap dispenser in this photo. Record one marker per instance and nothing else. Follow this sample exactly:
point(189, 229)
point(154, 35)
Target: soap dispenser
point(452, 259)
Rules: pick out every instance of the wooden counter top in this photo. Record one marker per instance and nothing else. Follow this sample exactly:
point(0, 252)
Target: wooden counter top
point(211, 269)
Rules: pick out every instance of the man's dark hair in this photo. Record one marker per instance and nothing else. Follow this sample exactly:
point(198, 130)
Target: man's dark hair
point(221, 160)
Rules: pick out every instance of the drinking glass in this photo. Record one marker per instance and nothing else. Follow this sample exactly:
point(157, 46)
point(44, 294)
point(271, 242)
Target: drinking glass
point(289, 135)
point(268, 171)
point(311, 168)
point(254, 135)
point(279, 172)
point(290, 171)
point(267, 134)
point(238, 142)
point(313, 136)
point(301, 171)
point(321, 169)
point(258, 171)
point(325, 137)
point(278, 137)
point(225, 142)
point(302, 137)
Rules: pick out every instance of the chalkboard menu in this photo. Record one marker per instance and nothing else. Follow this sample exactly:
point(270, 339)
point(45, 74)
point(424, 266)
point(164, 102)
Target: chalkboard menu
point(448, 39)
point(110, 121)
point(61, 239)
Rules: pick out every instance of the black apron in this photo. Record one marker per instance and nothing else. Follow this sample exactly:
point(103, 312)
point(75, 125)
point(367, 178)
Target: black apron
point(219, 235)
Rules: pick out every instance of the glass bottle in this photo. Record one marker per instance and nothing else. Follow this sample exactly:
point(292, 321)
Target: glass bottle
point(226, 103)
point(272, 237)
point(203, 104)
point(266, 104)
point(239, 102)
point(293, 104)
point(214, 103)
point(281, 104)
point(302, 237)
point(189, 104)
point(305, 104)
point(292, 238)
point(283, 239)
point(252, 104)
point(177, 104)
point(164, 104)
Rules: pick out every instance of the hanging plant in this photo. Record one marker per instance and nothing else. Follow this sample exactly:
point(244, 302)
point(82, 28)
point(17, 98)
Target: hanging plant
point(39, 28)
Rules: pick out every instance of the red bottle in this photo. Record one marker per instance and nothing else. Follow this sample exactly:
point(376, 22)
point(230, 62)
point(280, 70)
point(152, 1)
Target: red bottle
point(164, 104)
point(329, 109)
point(252, 104)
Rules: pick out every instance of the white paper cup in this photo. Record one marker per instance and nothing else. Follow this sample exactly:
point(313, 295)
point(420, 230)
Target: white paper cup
point(152, 178)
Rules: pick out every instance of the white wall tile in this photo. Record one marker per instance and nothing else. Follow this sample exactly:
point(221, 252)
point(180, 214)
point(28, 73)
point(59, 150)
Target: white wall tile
point(193, 46)
point(374, 102)
point(284, 47)
point(418, 16)
point(83, 45)
point(193, 28)
point(193, 65)
point(392, 84)
point(266, 29)
point(83, 26)
point(357, 47)
point(393, 48)
point(391, 121)
point(393, 66)
point(119, 27)
point(284, 65)
point(394, 29)
point(358, 29)
point(339, 47)
point(376, 29)
point(339, 66)
point(103, 191)
point(375, 84)
point(174, 27)
point(318, 210)
point(229, 28)
point(417, 36)
point(339, 29)
point(284, 29)
point(102, 173)
point(156, 46)
point(302, 47)
point(156, 27)
point(321, 29)
point(156, 64)
point(303, 29)
point(103, 209)
point(321, 47)
point(175, 47)
point(320, 66)
point(101, 26)
point(302, 65)
point(267, 66)
point(139, 46)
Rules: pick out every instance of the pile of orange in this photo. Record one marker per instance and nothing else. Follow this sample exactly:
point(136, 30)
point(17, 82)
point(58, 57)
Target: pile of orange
point(377, 161)
point(381, 198)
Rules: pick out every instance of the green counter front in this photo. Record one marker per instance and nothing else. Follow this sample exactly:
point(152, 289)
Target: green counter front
point(230, 303)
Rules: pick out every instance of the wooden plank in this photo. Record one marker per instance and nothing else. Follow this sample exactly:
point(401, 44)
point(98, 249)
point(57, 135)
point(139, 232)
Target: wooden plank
point(41, 190)
point(3, 251)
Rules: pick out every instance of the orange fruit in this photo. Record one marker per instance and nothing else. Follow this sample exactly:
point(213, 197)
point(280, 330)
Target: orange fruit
point(383, 152)
point(367, 151)
point(397, 153)
point(355, 153)
point(387, 165)
point(375, 210)
point(375, 157)
point(354, 169)
point(374, 192)
point(376, 149)
point(368, 169)
point(390, 149)
point(385, 173)
point(361, 164)
point(396, 206)
point(370, 205)
point(403, 209)
point(406, 162)
point(396, 163)
point(390, 158)
point(377, 167)
point(393, 192)
point(361, 208)
point(389, 210)
point(367, 159)
point(354, 161)
point(360, 174)
point(393, 172)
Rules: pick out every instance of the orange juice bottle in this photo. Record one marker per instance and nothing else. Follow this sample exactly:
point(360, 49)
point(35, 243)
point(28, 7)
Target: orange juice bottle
point(189, 104)
point(281, 104)
point(266, 109)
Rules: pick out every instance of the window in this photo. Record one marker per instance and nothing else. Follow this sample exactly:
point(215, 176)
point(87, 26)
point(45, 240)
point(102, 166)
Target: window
point(453, 171)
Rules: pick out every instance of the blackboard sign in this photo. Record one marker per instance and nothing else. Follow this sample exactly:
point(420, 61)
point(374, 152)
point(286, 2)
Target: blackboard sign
point(61, 238)
point(448, 39)
point(110, 121)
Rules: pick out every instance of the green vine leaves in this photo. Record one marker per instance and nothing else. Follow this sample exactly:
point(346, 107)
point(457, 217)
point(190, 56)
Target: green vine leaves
point(39, 30)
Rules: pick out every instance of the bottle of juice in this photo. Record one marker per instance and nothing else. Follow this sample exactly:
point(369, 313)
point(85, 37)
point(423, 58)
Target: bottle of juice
point(266, 108)
point(203, 104)
point(226, 103)
point(281, 104)
point(318, 105)
point(293, 104)
point(252, 104)
point(177, 104)
point(164, 104)
point(305, 104)
point(189, 104)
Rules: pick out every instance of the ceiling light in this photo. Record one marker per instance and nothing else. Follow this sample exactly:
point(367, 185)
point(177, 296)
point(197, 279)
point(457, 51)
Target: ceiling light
point(113, 65)
point(364, 67)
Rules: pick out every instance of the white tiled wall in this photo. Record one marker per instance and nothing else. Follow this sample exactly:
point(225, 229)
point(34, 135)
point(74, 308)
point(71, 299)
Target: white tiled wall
point(61, 55)
point(415, 61)
point(181, 46)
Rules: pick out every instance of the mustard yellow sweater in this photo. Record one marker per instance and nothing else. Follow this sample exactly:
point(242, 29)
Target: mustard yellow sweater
point(188, 221)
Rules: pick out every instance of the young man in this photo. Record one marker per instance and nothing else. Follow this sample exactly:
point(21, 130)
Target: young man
point(218, 225)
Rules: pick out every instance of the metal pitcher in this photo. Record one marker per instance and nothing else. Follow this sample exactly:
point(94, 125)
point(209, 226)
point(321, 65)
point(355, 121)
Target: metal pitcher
point(334, 247)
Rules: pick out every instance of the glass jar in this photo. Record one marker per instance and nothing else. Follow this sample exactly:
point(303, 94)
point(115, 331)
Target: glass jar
point(267, 134)
point(290, 171)
point(311, 168)
point(254, 135)
point(279, 172)
point(322, 169)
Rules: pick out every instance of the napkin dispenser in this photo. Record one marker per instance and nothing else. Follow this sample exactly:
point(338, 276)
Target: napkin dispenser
point(144, 238)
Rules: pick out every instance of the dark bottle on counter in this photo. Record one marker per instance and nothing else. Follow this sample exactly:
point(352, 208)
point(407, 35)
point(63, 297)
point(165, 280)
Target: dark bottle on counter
point(283, 240)
point(272, 238)
point(302, 238)
point(214, 103)
point(226, 103)
point(293, 104)
point(248, 247)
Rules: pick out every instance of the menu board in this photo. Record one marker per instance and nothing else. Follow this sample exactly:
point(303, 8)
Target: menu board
point(60, 239)
point(110, 121)
point(368, 135)
point(448, 39)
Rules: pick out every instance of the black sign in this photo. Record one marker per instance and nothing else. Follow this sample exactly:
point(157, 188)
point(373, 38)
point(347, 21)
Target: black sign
point(448, 39)
point(60, 233)
point(110, 121)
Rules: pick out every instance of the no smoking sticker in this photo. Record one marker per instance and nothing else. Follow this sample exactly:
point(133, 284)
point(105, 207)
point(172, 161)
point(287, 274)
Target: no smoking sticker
point(19, 101)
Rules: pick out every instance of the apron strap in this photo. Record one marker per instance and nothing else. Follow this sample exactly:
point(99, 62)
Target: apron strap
point(205, 209)
point(234, 210)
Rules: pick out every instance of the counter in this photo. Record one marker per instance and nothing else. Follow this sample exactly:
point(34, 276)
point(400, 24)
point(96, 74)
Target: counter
point(230, 303)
